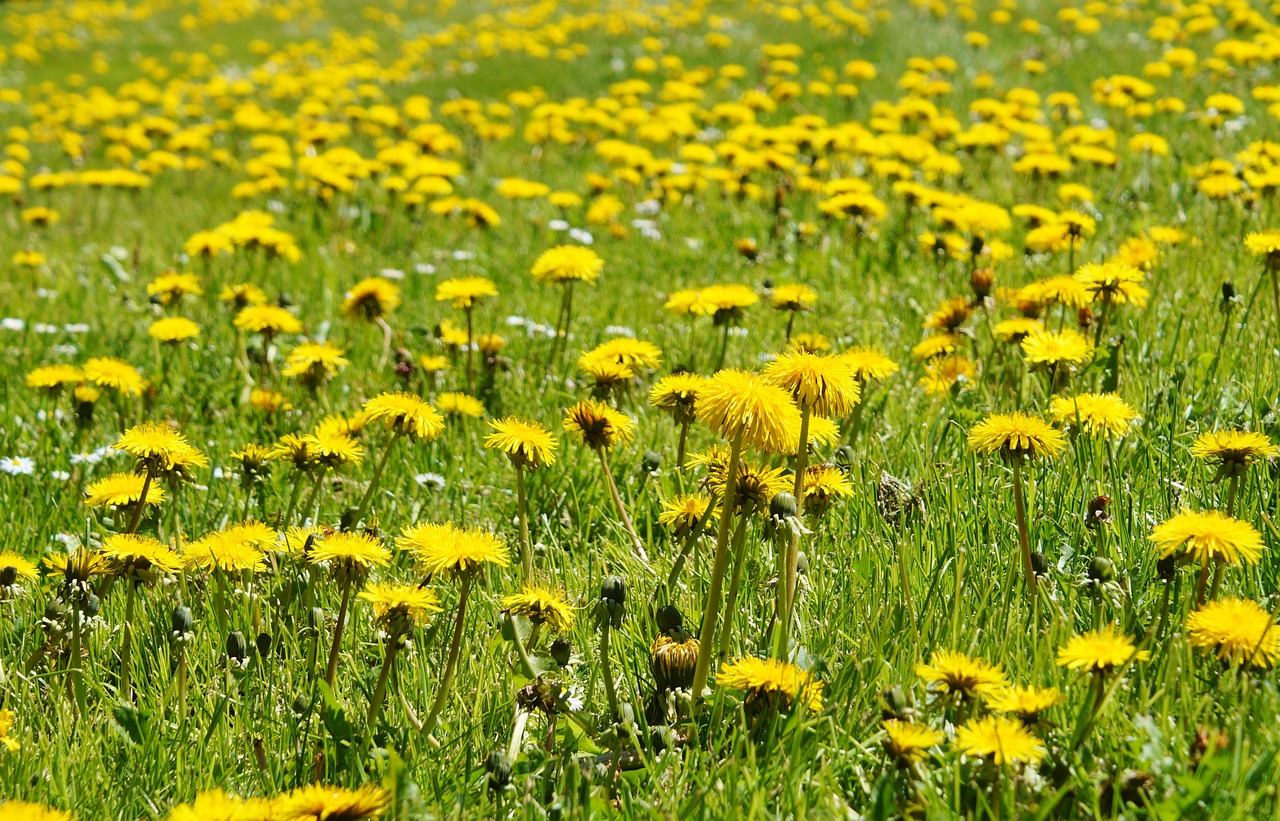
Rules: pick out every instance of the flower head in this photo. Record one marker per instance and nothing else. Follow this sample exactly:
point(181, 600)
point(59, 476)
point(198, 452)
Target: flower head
point(456, 404)
point(1113, 282)
point(1233, 450)
point(823, 383)
point(869, 363)
point(1015, 436)
point(464, 292)
point(1100, 651)
point(349, 551)
point(371, 298)
point(121, 490)
point(1003, 740)
point(312, 363)
point(1098, 413)
point(1065, 347)
point(681, 514)
point(1237, 631)
point(907, 742)
point(446, 548)
point(52, 378)
point(527, 443)
point(541, 605)
point(792, 297)
point(405, 414)
point(676, 395)
point(567, 263)
point(772, 684)
point(113, 373)
point(737, 404)
point(400, 606)
point(599, 425)
point(23, 568)
point(159, 448)
point(268, 320)
point(1208, 536)
point(173, 329)
point(1265, 244)
point(317, 802)
point(138, 558)
point(1027, 703)
point(953, 673)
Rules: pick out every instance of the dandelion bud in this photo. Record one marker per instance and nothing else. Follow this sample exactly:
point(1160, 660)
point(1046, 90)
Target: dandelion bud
point(982, 281)
point(181, 621)
point(1229, 297)
point(844, 457)
point(507, 627)
point(498, 766)
point(1166, 567)
point(651, 462)
point(8, 576)
point(315, 619)
point(748, 248)
point(783, 506)
point(300, 705)
point(263, 644)
point(897, 703)
point(560, 652)
point(92, 604)
point(1039, 563)
point(237, 646)
point(1102, 571)
point(669, 619)
point(614, 589)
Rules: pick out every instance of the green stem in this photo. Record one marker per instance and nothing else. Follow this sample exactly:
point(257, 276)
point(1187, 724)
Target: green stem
point(142, 503)
point(787, 589)
point(606, 672)
point(126, 642)
point(367, 499)
point(380, 689)
point(526, 544)
point(1024, 540)
point(706, 636)
point(622, 510)
point(451, 665)
point(331, 672)
point(735, 581)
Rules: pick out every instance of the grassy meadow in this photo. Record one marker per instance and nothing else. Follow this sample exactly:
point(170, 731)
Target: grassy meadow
point(686, 409)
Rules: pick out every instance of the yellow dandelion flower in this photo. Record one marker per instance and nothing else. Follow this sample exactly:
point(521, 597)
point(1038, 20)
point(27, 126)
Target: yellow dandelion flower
point(400, 606)
point(447, 548)
point(138, 558)
point(350, 551)
point(464, 292)
point(1098, 413)
point(1207, 536)
point(121, 490)
point(1100, 651)
point(113, 373)
point(527, 443)
point(599, 425)
point(952, 673)
point(405, 414)
point(908, 742)
point(567, 263)
point(772, 684)
point(541, 605)
point(1003, 740)
point(740, 405)
point(1016, 435)
point(317, 802)
point(824, 384)
point(1237, 631)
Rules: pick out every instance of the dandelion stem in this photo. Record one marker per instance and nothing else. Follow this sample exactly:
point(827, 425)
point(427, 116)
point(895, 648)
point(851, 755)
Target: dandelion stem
point(683, 443)
point(1024, 540)
point(451, 664)
point(677, 566)
point(380, 689)
point(126, 643)
point(136, 519)
point(606, 671)
point(711, 612)
point(731, 601)
point(367, 499)
point(787, 584)
point(471, 352)
point(331, 672)
point(294, 495)
point(622, 510)
point(526, 545)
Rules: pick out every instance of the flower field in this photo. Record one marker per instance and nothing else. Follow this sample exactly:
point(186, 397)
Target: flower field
point(690, 409)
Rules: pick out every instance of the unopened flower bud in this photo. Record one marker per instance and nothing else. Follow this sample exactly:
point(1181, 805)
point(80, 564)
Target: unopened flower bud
point(669, 619)
point(181, 621)
point(981, 281)
point(8, 576)
point(237, 646)
point(263, 644)
point(614, 589)
point(499, 768)
point(560, 651)
point(1102, 571)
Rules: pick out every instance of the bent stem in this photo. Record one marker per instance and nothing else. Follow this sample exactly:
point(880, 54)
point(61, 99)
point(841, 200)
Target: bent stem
point(787, 589)
point(622, 510)
point(331, 672)
point(706, 635)
point(451, 664)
